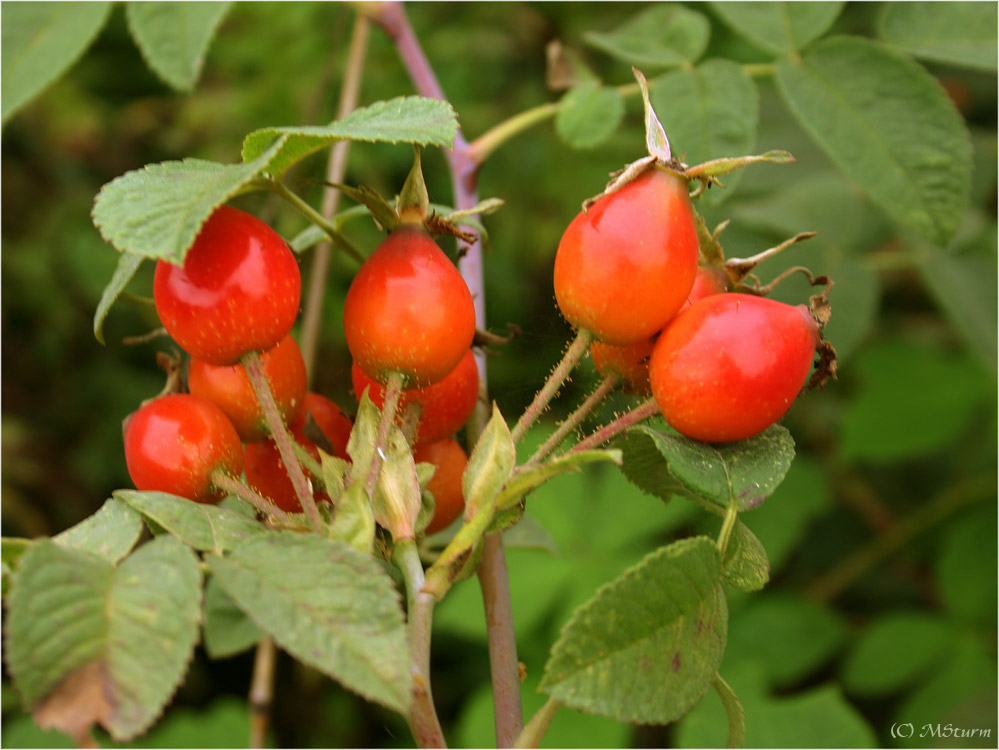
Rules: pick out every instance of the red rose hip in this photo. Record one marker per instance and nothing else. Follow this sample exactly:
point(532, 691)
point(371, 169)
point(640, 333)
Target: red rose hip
point(624, 267)
point(176, 443)
point(408, 310)
point(445, 485)
point(731, 365)
point(238, 290)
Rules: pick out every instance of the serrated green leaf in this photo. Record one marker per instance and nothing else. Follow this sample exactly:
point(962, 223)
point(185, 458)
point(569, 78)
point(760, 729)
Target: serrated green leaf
point(779, 27)
point(204, 527)
point(894, 651)
point(157, 211)
point(41, 41)
point(110, 533)
point(958, 33)
point(663, 35)
point(128, 264)
point(133, 633)
point(889, 126)
point(964, 288)
point(530, 478)
point(405, 119)
point(174, 37)
point(709, 111)
point(588, 115)
point(648, 645)
point(227, 630)
point(745, 566)
point(354, 521)
point(326, 604)
point(744, 473)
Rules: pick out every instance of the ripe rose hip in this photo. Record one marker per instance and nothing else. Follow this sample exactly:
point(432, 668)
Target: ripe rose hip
point(444, 406)
point(625, 266)
point(445, 485)
point(708, 281)
point(731, 365)
point(408, 310)
point(630, 363)
point(229, 387)
point(265, 471)
point(238, 290)
point(176, 443)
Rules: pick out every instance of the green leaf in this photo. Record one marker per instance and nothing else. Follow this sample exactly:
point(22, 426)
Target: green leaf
point(397, 501)
point(227, 630)
point(745, 566)
point(405, 119)
point(789, 635)
point(663, 35)
point(958, 33)
point(204, 527)
point(894, 651)
point(110, 533)
point(157, 211)
point(744, 473)
point(901, 411)
point(588, 115)
point(964, 287)
point(529, 534)
point(648, 645)
point(174, 37)
point(779, 27)
point(965, 570)
point(12, 549)
point(128, 264)
point(361, 443)
point(709, 111)
point(888, 125)
point(734, 712)
point(327, 605)
point(489, 466)
point(529, 479)
point(41, 41)
point(133, 631)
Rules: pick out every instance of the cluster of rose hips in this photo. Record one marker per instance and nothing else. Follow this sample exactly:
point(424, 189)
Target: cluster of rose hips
point(231, 306)
point(722, 365)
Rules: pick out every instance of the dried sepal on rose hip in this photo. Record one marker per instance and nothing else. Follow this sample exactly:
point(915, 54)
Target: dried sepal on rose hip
point(238, 290)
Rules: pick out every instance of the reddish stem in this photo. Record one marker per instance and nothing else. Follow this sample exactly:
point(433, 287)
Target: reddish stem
point(639, 414)
point(235, 487)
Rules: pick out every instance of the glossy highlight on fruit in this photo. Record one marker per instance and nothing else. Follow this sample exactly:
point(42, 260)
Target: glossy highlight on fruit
point(731, 365)
point(175, 443)
point(445, 406)
point(449, 500)
point(624, 267)
point(238, 290)
point(408, 310)
point(229, 387)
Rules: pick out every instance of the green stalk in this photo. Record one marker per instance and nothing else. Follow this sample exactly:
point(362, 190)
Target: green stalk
point(607, 385)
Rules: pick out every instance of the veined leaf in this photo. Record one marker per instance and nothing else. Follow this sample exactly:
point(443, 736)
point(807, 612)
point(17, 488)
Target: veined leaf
point(663, 35)
point(779, 27)
point(958, 33)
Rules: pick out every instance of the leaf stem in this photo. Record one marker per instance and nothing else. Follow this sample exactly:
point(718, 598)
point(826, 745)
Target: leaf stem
point(423, 720)
point(559, 375)
point(606, 386)
point(640, 413)
point(282, 438)
point(504, 666)
point(537, 727)
point(336, 168)
point(731, 516)
point(315, 217)
point(244, 492)
point(262, 691)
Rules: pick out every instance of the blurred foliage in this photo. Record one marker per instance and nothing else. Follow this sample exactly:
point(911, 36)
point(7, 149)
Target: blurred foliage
point(882, 601)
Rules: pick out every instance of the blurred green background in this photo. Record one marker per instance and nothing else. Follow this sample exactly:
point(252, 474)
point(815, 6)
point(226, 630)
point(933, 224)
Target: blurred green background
point(882, 540)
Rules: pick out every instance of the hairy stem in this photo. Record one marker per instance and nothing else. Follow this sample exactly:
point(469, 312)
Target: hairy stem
point(262, 691)
point(282, 437)
point(537, 727)
point(731, 516)
point(423, 720)
point(559, 375)
point(244, 492)
point(336, 168)
point(606, 386)
point(640, 413)
point(393, 390)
